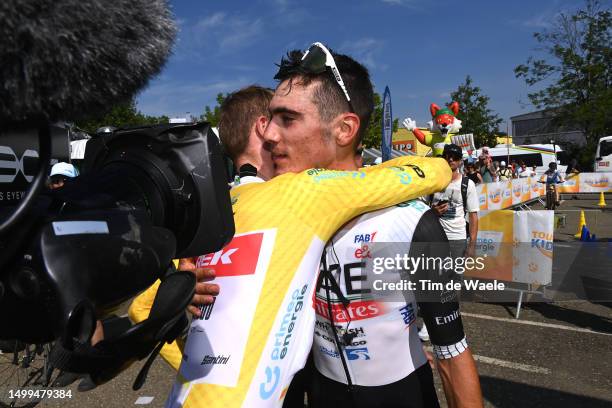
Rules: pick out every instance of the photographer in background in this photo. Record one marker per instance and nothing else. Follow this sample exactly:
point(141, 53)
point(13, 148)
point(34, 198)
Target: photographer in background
point(60, 173)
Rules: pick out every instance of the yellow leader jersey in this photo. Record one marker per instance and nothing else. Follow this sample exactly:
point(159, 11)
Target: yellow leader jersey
point(247, 346)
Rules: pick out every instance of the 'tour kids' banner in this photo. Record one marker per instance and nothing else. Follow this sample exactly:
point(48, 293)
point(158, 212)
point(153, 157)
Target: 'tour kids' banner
point(517, 246)
point(504, 194)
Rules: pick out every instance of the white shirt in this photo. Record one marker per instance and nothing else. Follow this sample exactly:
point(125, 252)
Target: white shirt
point(526, 173)
point(453, 220)
point(386, 346)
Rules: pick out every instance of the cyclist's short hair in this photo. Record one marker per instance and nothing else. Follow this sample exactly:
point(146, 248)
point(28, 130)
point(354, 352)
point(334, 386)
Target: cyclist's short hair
point(238, 113)
point(328, 97)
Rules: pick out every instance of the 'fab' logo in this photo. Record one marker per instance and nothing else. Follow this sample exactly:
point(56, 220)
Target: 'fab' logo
point(364, 238)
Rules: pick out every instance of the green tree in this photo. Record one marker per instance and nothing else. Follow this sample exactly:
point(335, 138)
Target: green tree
point(373, 136)
point(475, 115)
point(121, 115)
point(576, 72)
point(211, 115)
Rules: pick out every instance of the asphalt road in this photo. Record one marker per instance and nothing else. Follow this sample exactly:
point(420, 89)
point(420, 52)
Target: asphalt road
point(556, 355)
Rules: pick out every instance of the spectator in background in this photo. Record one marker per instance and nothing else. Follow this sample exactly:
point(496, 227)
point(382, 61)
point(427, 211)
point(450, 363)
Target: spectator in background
point(525, 172)
point(572, 169)
point(504, 172)
point(514, 167)
point(472, 174)
point(486, 169)
point(60, 173)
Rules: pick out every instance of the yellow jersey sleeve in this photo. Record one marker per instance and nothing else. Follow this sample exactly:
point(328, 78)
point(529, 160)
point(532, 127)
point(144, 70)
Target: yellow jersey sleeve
point(267, 275)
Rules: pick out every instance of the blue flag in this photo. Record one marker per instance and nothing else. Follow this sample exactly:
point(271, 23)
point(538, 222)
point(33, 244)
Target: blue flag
point(387, 126)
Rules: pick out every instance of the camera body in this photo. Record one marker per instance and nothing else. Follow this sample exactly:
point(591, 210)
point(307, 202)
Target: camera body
point(146, 195)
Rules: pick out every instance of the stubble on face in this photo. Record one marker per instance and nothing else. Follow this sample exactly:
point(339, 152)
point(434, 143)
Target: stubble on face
point(297, 137)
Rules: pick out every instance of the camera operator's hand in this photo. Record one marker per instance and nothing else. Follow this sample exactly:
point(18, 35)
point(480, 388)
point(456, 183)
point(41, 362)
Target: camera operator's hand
point(440, 208)
point(204, 292)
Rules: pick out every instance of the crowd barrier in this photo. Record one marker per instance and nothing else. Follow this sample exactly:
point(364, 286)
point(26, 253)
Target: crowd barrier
point(505, 194)
point(517, 246)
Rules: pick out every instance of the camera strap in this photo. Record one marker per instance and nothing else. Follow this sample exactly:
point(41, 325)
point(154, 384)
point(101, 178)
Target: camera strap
point(166, 321)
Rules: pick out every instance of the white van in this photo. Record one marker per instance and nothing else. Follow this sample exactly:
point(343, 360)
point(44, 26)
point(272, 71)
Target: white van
point(539, 155)
point(603, 155)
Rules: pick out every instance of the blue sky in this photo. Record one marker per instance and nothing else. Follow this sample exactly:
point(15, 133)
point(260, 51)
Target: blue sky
point(421, 49)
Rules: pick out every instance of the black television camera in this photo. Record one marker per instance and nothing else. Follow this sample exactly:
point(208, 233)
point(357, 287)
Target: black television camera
point(146, 195)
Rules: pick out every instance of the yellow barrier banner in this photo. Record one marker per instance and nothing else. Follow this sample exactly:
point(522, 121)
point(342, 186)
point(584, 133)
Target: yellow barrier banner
point(481, 189)
point(517, 246)
point(494, 196)
point(571, 185)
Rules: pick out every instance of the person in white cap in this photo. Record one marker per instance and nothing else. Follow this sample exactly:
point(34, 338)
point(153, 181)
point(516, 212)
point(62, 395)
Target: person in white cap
point(60, 172)
point(504, 172)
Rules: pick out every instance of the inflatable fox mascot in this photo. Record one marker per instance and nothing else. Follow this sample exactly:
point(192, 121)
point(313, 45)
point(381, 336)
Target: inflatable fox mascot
point(444, 122)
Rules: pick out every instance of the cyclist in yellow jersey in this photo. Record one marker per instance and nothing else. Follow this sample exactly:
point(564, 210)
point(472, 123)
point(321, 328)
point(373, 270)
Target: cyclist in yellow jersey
point(246, 348)
point(242, 122)
point(377, 361)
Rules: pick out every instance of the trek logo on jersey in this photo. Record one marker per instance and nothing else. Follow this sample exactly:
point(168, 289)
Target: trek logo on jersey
point(359, 353)
point(237, 258)
point(364, 237)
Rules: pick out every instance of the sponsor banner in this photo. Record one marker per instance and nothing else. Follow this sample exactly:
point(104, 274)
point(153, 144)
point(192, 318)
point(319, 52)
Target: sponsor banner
point(494, 196)
point(481, 189)
point(595, 182)
point(517, 191)
point(518, 246)
point(506, 193)
point(465, 141)
point(534, 187)
point(386, 125)
point(571, 185)
point(494, 229)
point(533, 262)
point(526, 185)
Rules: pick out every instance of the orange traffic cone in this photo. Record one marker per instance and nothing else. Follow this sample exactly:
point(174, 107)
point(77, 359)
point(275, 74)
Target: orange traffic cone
point(581, 224)
point(602, 200)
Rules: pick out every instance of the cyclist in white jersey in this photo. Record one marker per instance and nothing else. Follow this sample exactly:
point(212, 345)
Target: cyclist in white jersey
point(370, 355)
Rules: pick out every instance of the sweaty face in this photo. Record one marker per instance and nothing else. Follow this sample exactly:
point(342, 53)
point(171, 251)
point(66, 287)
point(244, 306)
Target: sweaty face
point(295, 135)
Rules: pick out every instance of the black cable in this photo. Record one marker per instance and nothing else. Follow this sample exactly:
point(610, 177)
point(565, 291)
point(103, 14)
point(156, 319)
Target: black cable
point(333, 325)
point(44, 142)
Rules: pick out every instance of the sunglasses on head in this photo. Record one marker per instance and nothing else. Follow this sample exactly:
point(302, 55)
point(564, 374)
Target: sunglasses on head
point(316, 60)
